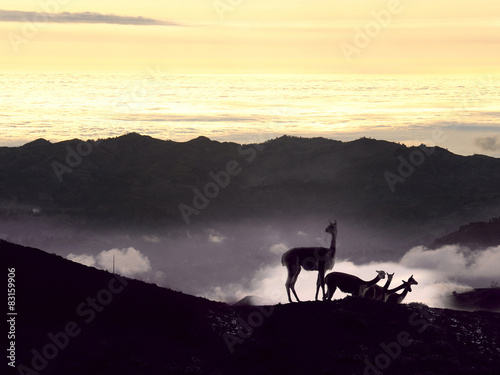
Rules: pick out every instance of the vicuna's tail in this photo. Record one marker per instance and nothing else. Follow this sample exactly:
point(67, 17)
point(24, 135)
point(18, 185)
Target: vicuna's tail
point(283, 259)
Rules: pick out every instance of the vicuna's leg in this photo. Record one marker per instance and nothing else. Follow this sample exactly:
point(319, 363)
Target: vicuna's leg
point(331, 288)
point(321, 280)
point(293, 274)
point(294, 281)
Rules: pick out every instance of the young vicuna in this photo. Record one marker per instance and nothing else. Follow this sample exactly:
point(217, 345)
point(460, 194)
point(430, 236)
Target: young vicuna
point(349, 283)
point(318, 259)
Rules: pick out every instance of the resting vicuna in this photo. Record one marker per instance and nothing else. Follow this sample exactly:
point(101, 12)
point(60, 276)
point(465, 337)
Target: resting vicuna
point(349, 283)
point(318, 259)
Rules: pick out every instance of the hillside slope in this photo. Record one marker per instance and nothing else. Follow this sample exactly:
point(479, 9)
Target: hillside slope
point(124, 326)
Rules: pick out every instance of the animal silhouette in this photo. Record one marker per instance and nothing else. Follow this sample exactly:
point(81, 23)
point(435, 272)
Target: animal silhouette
point(350, 283)
point(398, 298)
point(318, 259)
point(395, 298)
point(376, 292)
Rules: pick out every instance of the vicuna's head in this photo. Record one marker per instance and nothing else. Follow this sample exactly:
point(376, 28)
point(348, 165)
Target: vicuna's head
point(407, 286)
point(411, 281)
point(332, 228)
point(381, 274)
point(390, 275)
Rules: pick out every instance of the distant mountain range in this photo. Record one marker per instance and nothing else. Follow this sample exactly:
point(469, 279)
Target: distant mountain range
point(139, 179)
point(402, 195)
point(478, 235)
point(74, 319)
point(477, 299)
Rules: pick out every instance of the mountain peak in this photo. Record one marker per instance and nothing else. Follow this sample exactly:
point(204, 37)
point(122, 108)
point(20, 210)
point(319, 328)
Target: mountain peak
point(37, 143)
point(200, 139)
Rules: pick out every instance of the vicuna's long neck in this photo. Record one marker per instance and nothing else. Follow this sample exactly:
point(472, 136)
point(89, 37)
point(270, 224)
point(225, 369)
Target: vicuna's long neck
point(391, 291)
point(387, 283)
point(374, 281)
point(333, 245)
point(402, 296)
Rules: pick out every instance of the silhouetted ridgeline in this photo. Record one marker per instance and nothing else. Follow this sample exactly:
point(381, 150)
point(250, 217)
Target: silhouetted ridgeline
point(74, 319)
point(479, 235)
point(139, 180)
point(487, 299)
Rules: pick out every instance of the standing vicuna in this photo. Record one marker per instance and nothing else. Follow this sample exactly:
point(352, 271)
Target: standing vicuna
point(376, 292)
point(393, 297)
point(318, 259)
point(350, 283)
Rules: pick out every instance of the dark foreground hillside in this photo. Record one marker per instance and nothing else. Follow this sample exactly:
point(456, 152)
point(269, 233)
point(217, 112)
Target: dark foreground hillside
point(78, 320)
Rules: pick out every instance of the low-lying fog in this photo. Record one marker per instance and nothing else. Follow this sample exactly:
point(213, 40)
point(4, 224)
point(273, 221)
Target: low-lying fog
point(439, 272)
point(236, 260)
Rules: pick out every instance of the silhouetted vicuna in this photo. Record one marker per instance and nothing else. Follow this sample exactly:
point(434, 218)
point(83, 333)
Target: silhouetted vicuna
point(350, 283)
point(397, 297)
point(376, 292)
point(318, 259)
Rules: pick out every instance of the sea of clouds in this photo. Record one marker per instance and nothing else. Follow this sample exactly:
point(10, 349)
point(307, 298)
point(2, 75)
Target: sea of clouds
point(439, 273)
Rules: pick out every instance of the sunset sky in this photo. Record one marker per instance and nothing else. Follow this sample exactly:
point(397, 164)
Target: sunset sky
point(252, 36)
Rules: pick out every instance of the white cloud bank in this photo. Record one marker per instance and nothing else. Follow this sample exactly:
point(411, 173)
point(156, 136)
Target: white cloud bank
point(129, 262)
point(439, 272)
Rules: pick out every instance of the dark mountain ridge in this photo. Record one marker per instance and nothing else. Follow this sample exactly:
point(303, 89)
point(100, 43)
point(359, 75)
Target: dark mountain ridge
point(89, 196)
point(104, 324)
point(477, 299)
point(477, 235)
point(138, 180)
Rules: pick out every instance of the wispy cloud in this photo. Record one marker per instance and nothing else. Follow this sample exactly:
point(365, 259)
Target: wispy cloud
point(191, 118)
point(215, 237)
point(488, 143)
point(83, 17)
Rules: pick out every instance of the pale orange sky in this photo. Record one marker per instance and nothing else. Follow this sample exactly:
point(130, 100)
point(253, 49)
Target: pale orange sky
point(259, 36)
